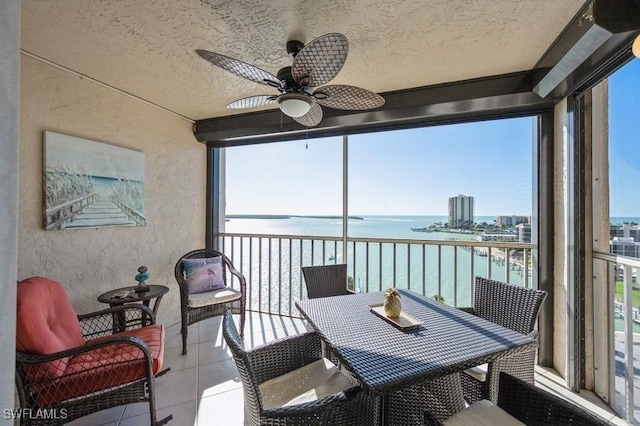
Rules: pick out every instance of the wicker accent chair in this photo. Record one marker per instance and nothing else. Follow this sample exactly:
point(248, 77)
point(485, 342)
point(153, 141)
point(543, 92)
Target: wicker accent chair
point(513, 307)
point(75, 365)
point(325, 280)
point(200, 306)
point(520, 403)
point(288, 382)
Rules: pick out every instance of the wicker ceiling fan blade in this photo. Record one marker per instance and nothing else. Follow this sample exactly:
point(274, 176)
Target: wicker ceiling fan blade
point(239, 68)
point(252, 101)
point(347, 97)
point(312, 118)
point(320, 60)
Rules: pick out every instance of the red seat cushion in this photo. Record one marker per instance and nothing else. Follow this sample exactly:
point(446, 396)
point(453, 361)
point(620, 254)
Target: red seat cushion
point(152, 335)
point(45, 323)
point(105, 367)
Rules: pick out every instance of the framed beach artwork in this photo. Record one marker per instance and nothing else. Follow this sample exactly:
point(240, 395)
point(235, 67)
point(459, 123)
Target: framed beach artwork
point(90, 184)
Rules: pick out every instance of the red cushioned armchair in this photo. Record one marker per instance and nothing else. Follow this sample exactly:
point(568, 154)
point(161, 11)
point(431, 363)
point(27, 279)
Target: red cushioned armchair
point(70, 365)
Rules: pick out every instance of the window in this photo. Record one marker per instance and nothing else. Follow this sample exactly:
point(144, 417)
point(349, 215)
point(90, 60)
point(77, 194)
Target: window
point(470, 181)
point(276, 188)
point(427, 209)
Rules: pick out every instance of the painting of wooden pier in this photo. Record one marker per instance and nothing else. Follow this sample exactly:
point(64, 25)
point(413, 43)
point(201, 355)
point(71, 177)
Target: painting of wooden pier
point(90, 184)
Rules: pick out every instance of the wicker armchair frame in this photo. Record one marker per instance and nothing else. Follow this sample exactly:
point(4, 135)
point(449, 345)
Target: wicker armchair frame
point(513, 307)
point(351, 407)
point(325, 280)
point(190, 315)
point(534, 406)
point(98, 327)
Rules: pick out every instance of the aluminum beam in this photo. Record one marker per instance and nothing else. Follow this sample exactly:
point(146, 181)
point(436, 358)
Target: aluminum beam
point(599, 29)
point(484, 97)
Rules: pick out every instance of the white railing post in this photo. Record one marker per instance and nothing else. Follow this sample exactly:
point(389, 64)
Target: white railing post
point(628, 355)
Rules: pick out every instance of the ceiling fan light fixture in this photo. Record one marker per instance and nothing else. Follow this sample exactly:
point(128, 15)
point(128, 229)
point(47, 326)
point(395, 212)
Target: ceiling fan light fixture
point(636, 47)
point(294, 104)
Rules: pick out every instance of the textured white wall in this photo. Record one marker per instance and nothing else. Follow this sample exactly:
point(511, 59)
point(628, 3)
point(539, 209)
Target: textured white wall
point(89, 262)
point(561, 193)
point(9, 136)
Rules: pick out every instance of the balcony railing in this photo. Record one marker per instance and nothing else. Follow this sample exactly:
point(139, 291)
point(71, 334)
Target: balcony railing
point(272, 265)
point(618, 275)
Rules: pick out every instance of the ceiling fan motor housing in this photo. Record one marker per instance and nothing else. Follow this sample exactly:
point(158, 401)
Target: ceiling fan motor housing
point(290, 85)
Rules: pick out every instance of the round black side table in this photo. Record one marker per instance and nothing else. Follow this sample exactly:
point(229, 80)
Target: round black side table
point(125, 295)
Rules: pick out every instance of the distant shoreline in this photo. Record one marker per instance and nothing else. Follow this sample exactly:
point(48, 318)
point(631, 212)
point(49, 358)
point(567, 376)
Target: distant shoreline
point(614, 220)
point(280, 216)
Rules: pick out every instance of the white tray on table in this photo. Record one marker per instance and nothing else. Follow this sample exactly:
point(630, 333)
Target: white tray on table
point(404, 321)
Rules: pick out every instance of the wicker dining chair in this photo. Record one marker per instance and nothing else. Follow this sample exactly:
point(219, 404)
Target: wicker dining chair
point(519, 401)
point(325, 280)
point(200, 306)
point(513, 307)
point(288, 382)
point(69, 366)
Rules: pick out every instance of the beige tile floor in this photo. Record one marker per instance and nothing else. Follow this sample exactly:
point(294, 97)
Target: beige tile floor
point(202, 387)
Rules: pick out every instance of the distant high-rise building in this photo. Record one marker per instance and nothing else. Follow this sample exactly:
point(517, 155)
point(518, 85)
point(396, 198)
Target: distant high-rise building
point(460, 211)
point(624, 246)
point(511, 221)
point(625, 230)
point(524, 232)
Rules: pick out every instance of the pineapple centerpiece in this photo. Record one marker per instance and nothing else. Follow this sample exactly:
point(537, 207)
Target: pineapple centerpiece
point(392, 306)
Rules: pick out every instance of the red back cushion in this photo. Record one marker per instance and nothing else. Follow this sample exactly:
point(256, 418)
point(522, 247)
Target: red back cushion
point(45, 323)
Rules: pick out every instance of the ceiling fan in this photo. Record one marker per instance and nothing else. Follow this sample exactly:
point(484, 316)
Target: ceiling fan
point(301, 85)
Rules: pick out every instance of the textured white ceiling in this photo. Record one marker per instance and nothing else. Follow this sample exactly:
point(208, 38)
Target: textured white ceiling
point(147, 47)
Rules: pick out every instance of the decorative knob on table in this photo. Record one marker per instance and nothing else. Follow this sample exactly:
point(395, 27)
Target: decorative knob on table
point(142, 277)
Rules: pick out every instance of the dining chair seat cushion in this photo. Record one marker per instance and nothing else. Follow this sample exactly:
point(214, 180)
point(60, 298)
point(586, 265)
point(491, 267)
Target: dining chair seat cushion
point(227, 294)
point(313, 381)
point(95, 370)
point(482, 413)
point(479, 372)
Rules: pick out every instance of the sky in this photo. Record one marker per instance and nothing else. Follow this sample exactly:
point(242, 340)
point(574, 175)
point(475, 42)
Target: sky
point(624, 141)
point(404, 172)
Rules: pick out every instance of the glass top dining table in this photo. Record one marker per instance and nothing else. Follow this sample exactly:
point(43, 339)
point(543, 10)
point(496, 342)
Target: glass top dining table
point(385, 358)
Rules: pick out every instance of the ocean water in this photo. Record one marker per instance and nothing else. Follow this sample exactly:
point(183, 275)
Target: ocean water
point(369, 226)
point(275, 280)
